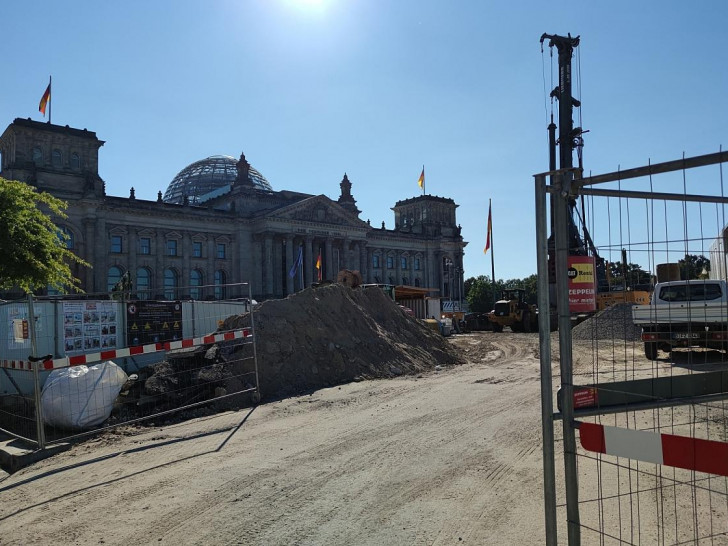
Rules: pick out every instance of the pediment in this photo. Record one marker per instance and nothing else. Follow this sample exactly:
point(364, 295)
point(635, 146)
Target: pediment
point(318, 210)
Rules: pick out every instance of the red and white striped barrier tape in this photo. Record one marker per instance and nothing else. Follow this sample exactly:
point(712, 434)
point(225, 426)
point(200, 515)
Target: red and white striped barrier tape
point(665, 449)
point(111, 354)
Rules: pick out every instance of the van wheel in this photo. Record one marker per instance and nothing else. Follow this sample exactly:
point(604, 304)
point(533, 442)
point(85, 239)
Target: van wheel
point(651, 350)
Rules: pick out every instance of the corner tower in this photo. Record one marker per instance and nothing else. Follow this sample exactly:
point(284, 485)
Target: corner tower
point(58, 159)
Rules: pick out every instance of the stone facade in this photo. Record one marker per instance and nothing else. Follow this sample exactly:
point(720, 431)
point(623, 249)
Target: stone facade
point(246, 235)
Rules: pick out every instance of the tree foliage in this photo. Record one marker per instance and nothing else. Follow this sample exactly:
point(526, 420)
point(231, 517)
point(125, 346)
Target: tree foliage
point(479, 291)
point(629, 275)
point(34, 253)
point(691, 267)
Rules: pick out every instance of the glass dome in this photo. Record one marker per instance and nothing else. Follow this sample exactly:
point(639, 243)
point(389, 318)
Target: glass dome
point(208, 178)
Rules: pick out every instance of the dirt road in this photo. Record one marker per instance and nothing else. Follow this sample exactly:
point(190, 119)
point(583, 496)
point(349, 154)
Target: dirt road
point(449, 457)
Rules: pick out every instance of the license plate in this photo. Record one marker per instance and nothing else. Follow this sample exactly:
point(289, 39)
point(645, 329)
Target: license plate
point(686, 335)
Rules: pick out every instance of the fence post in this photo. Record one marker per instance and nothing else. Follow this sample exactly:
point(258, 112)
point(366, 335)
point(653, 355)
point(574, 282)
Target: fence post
point(561, 236)
point(40, 430)
point(256, 396)
point(544, 334)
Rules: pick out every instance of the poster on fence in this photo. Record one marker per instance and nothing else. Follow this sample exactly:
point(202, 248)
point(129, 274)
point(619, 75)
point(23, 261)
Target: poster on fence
point(153, 322)
point(19, 327)
point(89, 325)
point(582, 284)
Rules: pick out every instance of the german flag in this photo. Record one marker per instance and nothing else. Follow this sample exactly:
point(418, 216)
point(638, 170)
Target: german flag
point(44, 100)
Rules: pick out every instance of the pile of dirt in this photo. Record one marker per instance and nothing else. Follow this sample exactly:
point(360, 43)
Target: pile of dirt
point(333, 334)
point(614, 322)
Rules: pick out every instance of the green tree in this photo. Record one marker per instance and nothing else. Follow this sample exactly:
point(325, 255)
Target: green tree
point(34, 253)
point(631, 273)
point(691, 267)
point(479, 293)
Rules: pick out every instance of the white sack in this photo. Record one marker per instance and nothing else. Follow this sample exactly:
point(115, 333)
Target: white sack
point(81, 397)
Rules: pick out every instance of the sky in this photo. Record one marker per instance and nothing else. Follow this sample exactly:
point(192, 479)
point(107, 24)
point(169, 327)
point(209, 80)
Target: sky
point(377, 89)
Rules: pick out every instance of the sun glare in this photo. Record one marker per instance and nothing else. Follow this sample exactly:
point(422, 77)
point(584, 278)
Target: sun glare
point(307, 4)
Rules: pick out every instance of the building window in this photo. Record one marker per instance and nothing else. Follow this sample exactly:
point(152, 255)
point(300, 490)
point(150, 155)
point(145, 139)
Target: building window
point(220, 279)
point(116, 244)
point(390, 262)
point(375, 261)
point(171, 282)
point(197, 249)
point(417, 264)
point(221, 251)
point(37, 156)
point(57, 158)
point(145, 245)
point(171, 247)
point(195, 284)
point(417, 282)
point(75, 162)
point(113, 277)
point(143, 283)
point(403, 262)
point(67, 236)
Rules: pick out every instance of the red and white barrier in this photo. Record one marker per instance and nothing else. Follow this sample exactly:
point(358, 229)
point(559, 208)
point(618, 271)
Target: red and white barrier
point(665, 449)
point(111, 354)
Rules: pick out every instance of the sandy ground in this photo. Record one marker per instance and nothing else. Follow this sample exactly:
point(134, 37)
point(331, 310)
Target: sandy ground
point(447, 457)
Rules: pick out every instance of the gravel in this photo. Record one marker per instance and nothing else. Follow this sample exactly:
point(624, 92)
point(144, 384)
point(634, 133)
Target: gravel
point(614, 322)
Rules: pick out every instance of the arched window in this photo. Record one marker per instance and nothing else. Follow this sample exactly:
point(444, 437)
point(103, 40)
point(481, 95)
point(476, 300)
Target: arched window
point(417, 282)
point(75, 162)
point(171, 283)
point(195, 284)
point(68, 236)
point(113, 277)
point(220, 280)
point(57, 158)
point(37, 156)
point(143, 283)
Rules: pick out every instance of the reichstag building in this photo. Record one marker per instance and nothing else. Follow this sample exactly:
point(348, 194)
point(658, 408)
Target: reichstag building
point(220, 222)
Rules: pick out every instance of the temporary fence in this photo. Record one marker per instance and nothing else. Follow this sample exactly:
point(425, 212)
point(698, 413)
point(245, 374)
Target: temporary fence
point(644, 429)
point(70, 366)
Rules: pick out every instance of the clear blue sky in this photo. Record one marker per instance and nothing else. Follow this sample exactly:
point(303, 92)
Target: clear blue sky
point(312, 89)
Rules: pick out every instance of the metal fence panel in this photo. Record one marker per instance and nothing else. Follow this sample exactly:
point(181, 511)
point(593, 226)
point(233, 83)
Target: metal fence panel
point(171, 355)
point(650, 464)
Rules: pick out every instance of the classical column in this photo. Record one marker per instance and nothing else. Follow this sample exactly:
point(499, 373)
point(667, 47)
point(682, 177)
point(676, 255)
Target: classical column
point(290, 257)
point(268, 265)
point(308, 272)
point(184, 282)
point(398, 268)
point(369, 267)
point(345, 260)
point(329, 269)
point(210, 274)
point(363, 266)
point(132, 247)
point(90, 255)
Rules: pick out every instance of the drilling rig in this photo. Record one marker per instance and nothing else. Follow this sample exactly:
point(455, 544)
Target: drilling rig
point(570, 139)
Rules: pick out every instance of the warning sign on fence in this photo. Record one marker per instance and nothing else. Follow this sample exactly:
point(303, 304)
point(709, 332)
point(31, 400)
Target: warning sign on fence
point(153, 322)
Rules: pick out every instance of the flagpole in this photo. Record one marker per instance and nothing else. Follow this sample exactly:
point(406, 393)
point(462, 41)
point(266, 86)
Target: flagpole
point(423, 180)
point(50, 98)
point(492, 260)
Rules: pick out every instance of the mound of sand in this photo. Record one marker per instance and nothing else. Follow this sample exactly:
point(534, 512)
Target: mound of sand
point(333, 334)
